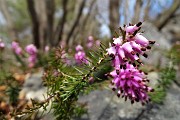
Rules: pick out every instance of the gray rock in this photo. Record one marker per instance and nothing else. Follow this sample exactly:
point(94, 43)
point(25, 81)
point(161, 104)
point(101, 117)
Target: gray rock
point(105, 105)
point(33, 89)
point(33, 83)
point(153, 77)
point(157, 56)
point(170, 110)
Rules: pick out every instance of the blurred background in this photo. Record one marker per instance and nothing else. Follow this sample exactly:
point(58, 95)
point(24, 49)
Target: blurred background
point(53, 23)
point(48, 22)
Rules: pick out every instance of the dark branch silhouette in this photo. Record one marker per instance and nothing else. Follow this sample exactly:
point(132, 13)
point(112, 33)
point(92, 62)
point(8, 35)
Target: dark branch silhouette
point(35, 22)
point(60, 27)
point(76, 22)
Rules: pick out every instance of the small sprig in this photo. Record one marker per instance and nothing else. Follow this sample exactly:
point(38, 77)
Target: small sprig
point(64, 87)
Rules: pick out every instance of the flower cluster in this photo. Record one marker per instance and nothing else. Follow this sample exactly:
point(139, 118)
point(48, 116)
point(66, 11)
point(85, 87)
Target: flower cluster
point(16, 48)
point(131, 83)
point(32, 51)
point(91, 42)
point(80, 55)
point(125, 51)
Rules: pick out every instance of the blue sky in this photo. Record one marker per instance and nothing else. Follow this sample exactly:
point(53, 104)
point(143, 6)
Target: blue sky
point(157, 6)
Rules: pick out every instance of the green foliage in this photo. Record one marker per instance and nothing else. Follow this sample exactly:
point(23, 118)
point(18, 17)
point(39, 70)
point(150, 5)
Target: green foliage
point(66, 83)
point(167, 75)
point(13, 93)
point(158, 96)
point(174, 53)
point(20, 16)
point(13, 89)
point(70, 83)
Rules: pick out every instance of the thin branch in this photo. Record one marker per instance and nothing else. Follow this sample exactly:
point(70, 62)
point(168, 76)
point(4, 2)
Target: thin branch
point(85, 20)
point(76, 22)
point(50, 10)
point(163, 18)
point(60, 27)
point(35, 22)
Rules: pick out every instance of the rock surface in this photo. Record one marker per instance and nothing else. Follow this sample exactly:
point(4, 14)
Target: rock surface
point(157, 56)
point(170, 110)
point(105, 105)
point(33, 89)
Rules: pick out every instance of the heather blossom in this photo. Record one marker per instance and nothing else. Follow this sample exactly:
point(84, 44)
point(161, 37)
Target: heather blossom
point(131, 83)
point(65, 58)
point(125, 52)
point(46, 48)
point(2, 45)
point(80, 56)
point(16, 48)
point(32, 51)
point(90, 42)
point(97, 43)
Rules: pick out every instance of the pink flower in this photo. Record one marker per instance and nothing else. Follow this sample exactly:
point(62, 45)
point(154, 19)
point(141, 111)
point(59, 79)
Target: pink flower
point(98, 42)
point(31, 49)
point(131, 83)
point(2, 45)
point(32, 59)
point(111, 50)
point(14, 45)
point(128, 81)
point(118, 41)
point(80, 55)
point(131, 47)
point(91, 80)
point(16, 48)
point(46, 48)
point(132, 28)
point(79, 48)
point(62, 44)
point(90, 42)
point(90, 38)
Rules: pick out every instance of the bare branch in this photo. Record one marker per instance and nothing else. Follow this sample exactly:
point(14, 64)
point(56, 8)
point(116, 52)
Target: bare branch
point(76, 22)
point(85, 20)
point(60, 27)
point(35, 22)
point(50, 9)
point(40, 7)
point(163, 18)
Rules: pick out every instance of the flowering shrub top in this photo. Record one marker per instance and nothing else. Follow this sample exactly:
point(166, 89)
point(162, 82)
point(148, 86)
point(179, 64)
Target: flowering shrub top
point(80, 56)
point(128, 81)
